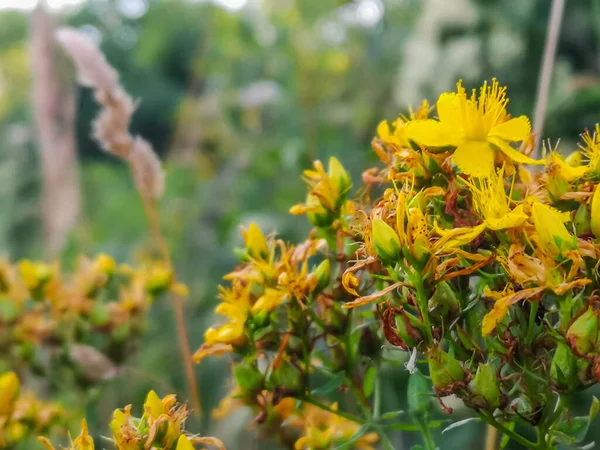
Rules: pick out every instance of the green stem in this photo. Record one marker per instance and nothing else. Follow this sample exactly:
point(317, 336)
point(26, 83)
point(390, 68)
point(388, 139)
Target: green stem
point(427, 437)
point(531, 327)
point(507, 431)
point(416, 279)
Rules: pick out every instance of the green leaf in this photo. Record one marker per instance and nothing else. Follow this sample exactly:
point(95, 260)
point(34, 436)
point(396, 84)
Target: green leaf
point(505, 437)
point(577, 427)
point(369, 381)
point(331, 386)
point(355, 437)
point(417, 447)
point(460, 423)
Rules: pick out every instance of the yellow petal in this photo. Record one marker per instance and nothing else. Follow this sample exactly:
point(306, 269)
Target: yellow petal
point(433, 133)
point(475, 158)
point(153, 405)
point(184, 443)
point(448, 109)
point(494, 317)
point(513, 154)
point(516, 129)
point(513, 219)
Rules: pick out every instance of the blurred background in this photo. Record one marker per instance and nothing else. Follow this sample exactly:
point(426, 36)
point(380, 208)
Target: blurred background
point(238, 97)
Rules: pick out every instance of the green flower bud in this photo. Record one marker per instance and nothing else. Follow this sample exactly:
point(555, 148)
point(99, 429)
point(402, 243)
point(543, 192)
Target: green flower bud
point(564, 367)
point(486, 385)
point(323, 274)
point(247, 377)
point(556, 186)
point(583, 332)
point(595, 214)
point(385, 241)
point(582, 220)
point(322, 218)
point(419, 395)
point(444, 306)
point(340, 179)
point(444, 369)
point(286, 376)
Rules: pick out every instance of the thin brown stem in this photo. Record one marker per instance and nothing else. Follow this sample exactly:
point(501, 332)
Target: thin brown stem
point(552, 33)
point(182, 336)
point(491, 437)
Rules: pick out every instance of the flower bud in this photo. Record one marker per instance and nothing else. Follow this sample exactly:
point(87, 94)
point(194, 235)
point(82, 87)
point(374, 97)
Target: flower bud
point(444, 306)
point(563, 370)
point(318, 215)
point(552, 234)
point(9, 391)
point(385, 241)
point(595, 213)
point(256, 243)
point(444, 369)
point(420, 248)
point(583, 332)
point(419, 395)
point(486, 385)
point(582, 220)
point(183, 443)
point(340, 180)
point(247, 377)
point(323, 273)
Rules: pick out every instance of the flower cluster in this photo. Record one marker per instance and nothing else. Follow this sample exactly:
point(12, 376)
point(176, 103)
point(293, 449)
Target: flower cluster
point(162, 426)
point(483, 269)
point(43, 308)
point(22, 414)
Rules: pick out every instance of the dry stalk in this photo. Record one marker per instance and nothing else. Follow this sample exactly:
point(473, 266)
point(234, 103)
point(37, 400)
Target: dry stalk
point(111, 130)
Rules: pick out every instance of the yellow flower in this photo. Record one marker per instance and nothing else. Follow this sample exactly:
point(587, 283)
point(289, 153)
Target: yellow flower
point(235, 306)
point(561, 172)
point(9, 391)
point(84, 441)
point(591, 150)
point(476, 127)
point(270, 300)
point(492, 203)
point(184, 444)
point(256, 243)
point(35, 274)
point(324, 430)
point(124, 432)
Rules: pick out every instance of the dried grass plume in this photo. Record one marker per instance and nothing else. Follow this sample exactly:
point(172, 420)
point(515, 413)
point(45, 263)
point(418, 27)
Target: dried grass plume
point(111, 127)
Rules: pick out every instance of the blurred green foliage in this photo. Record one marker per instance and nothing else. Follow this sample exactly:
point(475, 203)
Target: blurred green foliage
point(238, 103)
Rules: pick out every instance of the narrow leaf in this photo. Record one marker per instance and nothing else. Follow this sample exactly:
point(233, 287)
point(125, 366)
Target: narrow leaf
point(460, 423)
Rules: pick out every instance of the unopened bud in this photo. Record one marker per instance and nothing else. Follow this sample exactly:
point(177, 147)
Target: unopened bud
point(444, 306)
point(318, 215)
point(385, 241)
point(582, 220)
point(552, 233)
point(595, 213)
point(9, 391)
point(247, 377)
point(486, 385)
point(583, 332)
point(340, 179)
point(256, 243)
point(564, 367)
point(323, 274)
point(444, 369)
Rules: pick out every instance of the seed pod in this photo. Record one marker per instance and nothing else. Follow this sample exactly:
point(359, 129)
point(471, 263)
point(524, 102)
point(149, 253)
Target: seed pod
point(385, 241)
point(419, 395)
point(582, 219)
point(583, 333)
point(408, 328)
point(444, 369)
point(444, 306)
point(486, 385)
point(564, 367)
